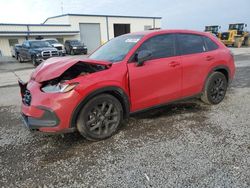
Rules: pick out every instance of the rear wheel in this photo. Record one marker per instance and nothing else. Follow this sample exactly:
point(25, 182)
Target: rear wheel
point(215, 88)
point(100, 118)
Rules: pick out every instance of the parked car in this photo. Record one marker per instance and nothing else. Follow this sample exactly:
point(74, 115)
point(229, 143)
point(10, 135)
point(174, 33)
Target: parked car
point(128, 74)
point(60, 47)
point(73, 47)
point(14, 50)
point(36, 51)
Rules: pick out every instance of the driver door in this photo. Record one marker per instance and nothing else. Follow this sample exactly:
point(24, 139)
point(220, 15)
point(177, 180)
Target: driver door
point(158, 80)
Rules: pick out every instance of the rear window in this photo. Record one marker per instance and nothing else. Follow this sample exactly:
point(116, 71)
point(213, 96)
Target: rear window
point(211, 45)
point(191, 44)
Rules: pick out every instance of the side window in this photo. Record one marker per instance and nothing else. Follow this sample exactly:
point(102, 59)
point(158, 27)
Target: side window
point(161, 46)
point(191, 44)
point(211, 45)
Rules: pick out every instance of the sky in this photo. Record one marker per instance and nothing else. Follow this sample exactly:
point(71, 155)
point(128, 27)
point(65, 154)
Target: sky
point(179, 14)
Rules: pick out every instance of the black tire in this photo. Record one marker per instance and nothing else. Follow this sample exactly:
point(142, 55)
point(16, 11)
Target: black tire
point(100, 118)
point(33, 60)
point(215, 88)
point(19, 59)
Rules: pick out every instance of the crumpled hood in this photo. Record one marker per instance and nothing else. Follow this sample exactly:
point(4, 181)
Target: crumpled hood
point(55, 67)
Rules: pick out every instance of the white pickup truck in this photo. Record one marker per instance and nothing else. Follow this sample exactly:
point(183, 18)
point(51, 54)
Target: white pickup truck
point(54, 42)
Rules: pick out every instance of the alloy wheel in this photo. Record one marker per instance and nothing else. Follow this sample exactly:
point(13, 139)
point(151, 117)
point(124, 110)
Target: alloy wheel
point(218, 90)
point(103, 118)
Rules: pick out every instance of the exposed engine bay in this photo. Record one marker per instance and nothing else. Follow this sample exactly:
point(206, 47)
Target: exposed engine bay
point(79, 69)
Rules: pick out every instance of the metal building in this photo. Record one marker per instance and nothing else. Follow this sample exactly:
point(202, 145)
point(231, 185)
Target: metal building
point(93, 30)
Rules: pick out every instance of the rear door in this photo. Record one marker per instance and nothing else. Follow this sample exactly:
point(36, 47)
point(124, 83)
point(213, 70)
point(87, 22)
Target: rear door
point(195, 61)
point(159, 79)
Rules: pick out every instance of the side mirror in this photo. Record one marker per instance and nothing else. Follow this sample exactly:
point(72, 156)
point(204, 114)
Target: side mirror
point(245, 25)
point(143, 56)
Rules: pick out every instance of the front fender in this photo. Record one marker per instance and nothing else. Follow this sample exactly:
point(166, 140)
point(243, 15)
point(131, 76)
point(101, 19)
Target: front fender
point(116, 91)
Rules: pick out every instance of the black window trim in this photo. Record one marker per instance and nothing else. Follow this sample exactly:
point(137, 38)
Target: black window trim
point(176, 47)
point(179, 48)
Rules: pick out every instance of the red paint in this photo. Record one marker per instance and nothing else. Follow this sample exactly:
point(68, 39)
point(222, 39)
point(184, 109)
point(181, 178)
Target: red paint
point(158, 81)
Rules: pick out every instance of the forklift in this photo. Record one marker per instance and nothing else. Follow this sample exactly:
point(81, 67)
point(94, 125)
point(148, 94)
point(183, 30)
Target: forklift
point(214, 29)
point(236, 36)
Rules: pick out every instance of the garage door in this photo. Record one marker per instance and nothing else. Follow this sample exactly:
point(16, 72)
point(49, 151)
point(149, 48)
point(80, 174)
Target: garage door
point(90, 35)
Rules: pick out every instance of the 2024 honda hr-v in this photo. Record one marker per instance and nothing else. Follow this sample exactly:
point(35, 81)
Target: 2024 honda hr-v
point(130, 73)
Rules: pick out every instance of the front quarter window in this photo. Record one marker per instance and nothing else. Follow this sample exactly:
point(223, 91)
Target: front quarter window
point(116, 49)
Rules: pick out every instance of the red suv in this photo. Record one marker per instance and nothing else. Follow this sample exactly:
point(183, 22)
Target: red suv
point(130, 73)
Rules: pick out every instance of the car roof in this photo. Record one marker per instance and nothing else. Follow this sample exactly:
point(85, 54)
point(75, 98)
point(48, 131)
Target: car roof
point(72, 40)
point(33, 40)
point(166, 31)
point(50, 39)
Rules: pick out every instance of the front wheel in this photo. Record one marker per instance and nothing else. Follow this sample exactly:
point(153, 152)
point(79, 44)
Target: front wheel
point(33, 60)
point(215, 88)
point(100, 118)
point(19, 58)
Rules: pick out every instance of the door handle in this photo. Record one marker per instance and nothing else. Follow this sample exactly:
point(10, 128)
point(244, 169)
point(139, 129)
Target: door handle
point(174, 64)
point(209, 58)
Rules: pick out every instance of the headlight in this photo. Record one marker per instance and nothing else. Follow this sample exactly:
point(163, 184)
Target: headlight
point(38, 54)
point(59, 88)
point(74, 48)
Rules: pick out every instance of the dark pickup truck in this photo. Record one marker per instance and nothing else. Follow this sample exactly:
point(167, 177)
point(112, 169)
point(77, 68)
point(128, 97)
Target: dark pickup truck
point(73, 47)
point(36, 51)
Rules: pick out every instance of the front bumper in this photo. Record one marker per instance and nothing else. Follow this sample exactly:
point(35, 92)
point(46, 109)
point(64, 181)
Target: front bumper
point(40, 59)
point(61, 52)
point(48, 119)
point(50, 113)
point(80, 51)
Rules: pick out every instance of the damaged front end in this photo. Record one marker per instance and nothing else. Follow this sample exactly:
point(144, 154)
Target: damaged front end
point(41, 95)
point(62, 83)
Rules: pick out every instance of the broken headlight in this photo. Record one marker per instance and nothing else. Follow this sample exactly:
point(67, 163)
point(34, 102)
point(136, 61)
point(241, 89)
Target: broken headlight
point(59, 88)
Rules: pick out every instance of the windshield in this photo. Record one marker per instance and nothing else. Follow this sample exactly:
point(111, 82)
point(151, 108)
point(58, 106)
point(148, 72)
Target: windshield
point(75, 42)
point(116, 49)
point(238, 27)
point(212, 28)
point(51, 41)
point(39, 44)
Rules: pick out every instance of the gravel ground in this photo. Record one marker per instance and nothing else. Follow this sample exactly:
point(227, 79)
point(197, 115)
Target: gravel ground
point(187, 144)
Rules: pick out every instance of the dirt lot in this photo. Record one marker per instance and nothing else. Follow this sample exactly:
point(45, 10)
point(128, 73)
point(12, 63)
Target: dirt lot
point(185, 144)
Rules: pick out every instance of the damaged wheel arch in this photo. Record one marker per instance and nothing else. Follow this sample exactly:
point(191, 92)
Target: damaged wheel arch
point(115, 91)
